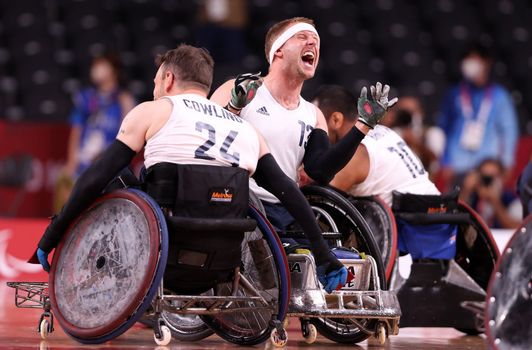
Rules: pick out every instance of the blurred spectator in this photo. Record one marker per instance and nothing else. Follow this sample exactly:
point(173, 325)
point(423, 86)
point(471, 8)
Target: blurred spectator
point(221, 29)
point(97, 115)
point(478, 118)
point(483, 190)
point(408, 120)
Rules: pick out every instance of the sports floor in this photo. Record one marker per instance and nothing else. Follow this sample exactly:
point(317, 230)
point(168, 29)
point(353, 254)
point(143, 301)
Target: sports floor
point(18, 330)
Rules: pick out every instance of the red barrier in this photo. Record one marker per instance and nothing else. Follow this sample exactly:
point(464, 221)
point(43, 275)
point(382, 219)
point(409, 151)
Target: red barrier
point(18, 241)
point(47, 145)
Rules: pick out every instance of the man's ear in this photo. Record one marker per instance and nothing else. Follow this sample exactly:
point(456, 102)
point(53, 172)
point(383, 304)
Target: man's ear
point(169, 79)
point(278, 53)
point(336, 120)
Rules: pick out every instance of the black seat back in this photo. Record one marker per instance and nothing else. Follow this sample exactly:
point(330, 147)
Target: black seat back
point(209, 205)
point(428, 209)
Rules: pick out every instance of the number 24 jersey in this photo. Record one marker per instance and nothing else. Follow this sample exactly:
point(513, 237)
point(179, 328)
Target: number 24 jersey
point(199, 131)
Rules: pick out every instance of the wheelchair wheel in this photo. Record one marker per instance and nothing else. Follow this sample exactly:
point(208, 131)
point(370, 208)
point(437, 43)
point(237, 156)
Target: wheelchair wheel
point(186, 327)
point(265, 267)
point(476, 252)
point(355, 233)
point(509, 298)
point(182, 327)
point(108, 266)
point(381, 220)
point(192, 327)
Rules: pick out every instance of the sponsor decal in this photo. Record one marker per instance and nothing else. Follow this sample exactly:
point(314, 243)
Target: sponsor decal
point(221, 195)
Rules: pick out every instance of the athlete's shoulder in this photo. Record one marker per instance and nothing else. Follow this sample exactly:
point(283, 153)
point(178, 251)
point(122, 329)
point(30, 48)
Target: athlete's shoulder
point(152, 108)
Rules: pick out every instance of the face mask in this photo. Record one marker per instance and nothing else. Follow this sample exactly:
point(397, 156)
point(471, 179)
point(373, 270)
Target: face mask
point(471, 68)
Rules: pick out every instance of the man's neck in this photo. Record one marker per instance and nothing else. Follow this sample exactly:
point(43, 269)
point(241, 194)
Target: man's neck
point(346, 127)
point(187, 91)
point(284, 89)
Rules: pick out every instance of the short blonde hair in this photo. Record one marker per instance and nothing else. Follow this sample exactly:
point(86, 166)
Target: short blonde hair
point(279, 27)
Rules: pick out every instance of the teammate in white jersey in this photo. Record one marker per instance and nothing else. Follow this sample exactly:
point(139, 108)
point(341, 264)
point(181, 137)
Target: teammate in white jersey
point(383, 163)
point(181, 126)
point(295, 130)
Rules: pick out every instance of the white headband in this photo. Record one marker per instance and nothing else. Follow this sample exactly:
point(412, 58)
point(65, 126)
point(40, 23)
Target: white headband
point(287, 34)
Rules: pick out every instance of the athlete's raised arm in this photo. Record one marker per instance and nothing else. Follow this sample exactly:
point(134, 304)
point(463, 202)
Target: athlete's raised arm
point(322, 161)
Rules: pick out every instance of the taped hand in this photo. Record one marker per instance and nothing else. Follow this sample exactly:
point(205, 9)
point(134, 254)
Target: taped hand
point(372, 109)
point(43, 259)
point(333, 280)
point(245, 88)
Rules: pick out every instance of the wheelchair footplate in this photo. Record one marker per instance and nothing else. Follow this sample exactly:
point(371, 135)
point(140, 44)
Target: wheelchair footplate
point(358, 301)
point(34, 295)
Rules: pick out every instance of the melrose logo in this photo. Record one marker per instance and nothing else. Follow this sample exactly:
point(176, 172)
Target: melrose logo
point(11, 266)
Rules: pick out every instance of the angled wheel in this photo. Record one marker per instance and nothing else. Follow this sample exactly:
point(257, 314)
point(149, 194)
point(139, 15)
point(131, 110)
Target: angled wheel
point(509, 298)
point(477, 253)
point(381, 221)
point(108, 266)
point(265, 266)
point(355, 233)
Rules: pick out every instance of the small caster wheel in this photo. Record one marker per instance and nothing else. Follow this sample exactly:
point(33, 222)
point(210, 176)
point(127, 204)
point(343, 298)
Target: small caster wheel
point(381, 334)
point(278, 340)
point(44, 329)
point(312, 334)
point(43, 345)
point(166, 336)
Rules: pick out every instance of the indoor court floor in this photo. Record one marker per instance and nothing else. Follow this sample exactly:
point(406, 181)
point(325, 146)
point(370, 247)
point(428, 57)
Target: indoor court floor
point(18, 330)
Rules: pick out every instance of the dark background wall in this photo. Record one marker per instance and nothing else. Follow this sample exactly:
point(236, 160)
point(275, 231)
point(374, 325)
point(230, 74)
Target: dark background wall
point(414, 45)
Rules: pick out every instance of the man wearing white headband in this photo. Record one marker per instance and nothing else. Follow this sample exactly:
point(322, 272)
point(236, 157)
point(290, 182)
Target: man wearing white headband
point(295, 129)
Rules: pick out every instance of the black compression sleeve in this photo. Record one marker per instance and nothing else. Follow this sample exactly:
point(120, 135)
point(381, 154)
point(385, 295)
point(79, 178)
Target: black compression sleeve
point(88, 187)
point(269, 176)
point(323, 161)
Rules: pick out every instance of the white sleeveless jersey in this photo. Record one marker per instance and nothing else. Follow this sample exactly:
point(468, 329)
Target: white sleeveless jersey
point(201, 132)
point(393, 166)
point(285, 131)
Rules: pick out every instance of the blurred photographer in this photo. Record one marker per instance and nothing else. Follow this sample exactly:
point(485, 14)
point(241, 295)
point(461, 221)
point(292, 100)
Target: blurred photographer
point(483, 190)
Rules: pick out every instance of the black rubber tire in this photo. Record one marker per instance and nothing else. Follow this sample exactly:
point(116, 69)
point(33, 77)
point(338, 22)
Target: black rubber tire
point(282, 276)
point(346, 216)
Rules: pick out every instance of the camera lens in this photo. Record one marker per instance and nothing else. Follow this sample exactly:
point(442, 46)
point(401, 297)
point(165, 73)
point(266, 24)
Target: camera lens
point(486, 180)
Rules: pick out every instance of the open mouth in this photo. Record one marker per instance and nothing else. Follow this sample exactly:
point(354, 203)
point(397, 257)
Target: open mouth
point(308, 58)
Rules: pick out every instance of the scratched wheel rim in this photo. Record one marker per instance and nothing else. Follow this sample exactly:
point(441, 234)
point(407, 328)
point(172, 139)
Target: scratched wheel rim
point(105, 266)
point(509, 297)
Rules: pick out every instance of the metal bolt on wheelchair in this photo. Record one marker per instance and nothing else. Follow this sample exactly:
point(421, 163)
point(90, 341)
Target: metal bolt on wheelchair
point(108, 272)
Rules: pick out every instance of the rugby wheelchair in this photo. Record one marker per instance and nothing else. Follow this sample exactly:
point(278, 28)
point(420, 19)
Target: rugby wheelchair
point(453, 255)
point(361, 309)
point(193, 253)
point(509, 296)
